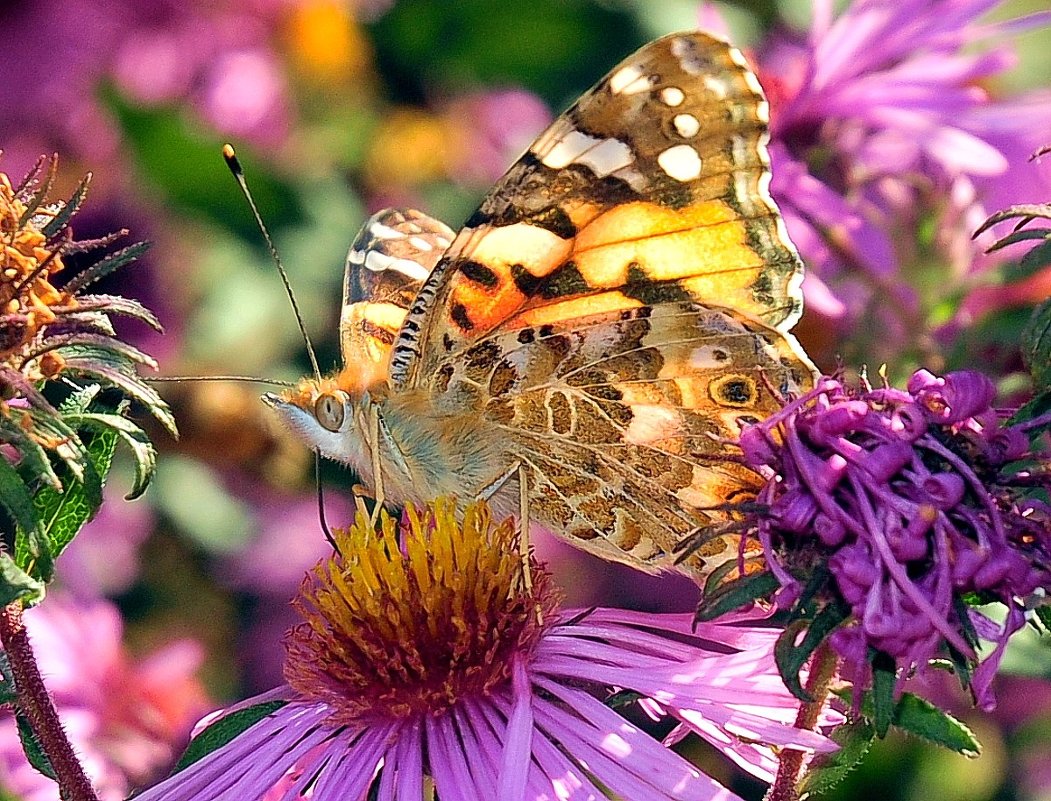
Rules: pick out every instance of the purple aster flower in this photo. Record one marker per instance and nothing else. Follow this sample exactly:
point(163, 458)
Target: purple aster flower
point(127, 717)
point(915, 500)
point(881, 122)
point(434, 657)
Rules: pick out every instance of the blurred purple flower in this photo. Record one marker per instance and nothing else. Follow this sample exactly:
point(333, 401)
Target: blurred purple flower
point(490, 129)
point(127, 718)
point(434, 659)
point(879, 120)
point(915, 500)
point(103, 559)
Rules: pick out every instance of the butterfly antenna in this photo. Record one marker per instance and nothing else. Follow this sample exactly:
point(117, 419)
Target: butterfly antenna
point(235, 167)
point(177, 379)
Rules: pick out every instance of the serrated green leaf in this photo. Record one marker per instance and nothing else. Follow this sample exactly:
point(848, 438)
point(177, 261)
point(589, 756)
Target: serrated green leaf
point(827, 770)
point(33, 750)
point(923, 719)
point(143, 451)
point(735, 595)
point(17, 585)
point(1036, 345)
point(131, 385)
point(1024, 235)
point(791, 658)
point(115, 304)
point(101, 269)
point(69, 208)
point(818, 580)
point(224, 730)
point(80, 400)
point(16, 497)
point(884, 678)
point(63, 514)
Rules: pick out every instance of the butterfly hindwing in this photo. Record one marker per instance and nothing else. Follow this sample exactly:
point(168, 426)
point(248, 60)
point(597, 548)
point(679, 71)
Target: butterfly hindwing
point(624, 420)
point(386, 265)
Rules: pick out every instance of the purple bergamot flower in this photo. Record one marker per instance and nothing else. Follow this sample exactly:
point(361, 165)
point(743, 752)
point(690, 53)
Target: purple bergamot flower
point(918, 505)
point(428, 657)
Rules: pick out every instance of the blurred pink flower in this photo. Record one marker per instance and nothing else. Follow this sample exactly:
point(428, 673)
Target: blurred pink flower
point(127, 718)
point(103, 558)
point(490, 129)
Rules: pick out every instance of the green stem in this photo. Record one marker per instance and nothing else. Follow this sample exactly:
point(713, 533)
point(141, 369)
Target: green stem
point(791, 763)
point(34, 701)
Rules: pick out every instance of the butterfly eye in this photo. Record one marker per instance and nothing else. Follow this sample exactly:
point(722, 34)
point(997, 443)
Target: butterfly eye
point(328, 409)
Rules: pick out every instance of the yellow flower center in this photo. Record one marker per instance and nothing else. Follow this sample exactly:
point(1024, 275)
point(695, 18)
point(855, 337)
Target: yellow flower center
point(414, 618)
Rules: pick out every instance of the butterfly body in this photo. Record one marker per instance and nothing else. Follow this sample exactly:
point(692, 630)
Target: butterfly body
point(617, 308)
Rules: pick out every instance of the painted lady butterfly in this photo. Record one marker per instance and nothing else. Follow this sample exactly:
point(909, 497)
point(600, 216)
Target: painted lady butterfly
point(598, 329)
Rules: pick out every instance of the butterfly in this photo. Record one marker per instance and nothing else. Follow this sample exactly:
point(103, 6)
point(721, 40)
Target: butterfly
point(594, 337)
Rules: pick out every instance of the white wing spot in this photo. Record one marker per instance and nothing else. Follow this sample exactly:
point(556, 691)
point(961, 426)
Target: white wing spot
point(629, 80)
point(680, 162)
point(717, 86)
point(602, 156)
point(710, 357)
point(420, 243)
point(381, 231)
point(686, 125)
point(672, 96)
point(378, 262)
point(684, 50)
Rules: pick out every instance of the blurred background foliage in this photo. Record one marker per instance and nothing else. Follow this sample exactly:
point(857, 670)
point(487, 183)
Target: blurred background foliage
point(339, 108)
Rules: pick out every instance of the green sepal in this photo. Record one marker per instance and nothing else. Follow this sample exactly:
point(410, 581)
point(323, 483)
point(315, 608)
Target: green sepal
point(791, 658)
point(919, 717)
point(224, 730)
point(34, 751)
point(16, 497)
point(884, 679)
point(1043, 614)
point(100, 269)
point(734, 595)
point(827, 770)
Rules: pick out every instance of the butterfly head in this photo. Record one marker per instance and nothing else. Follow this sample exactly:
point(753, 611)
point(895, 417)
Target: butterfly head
point(330, 415)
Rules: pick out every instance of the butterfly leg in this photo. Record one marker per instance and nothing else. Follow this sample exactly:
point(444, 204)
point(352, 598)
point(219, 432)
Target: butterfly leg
point(377, 466)
point(490, 489)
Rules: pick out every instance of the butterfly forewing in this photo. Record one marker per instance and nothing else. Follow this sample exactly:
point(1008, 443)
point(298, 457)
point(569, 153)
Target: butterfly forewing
point(651, 189)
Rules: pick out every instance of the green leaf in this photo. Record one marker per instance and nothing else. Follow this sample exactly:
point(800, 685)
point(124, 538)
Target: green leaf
point(736, 594)
point(1036, 345)
point(1043, 614)
point(884, 677)
point(69, 208)
point(104, 267)
point(17, 585)
point(144, 453)
point(826, 771)
point(115, 304)
point(224, 730)
point(131, 385)
point(791, 658)
point(623, 698)
point(80, 401)
point(16, 498)
point(63, 514)
point(34, 751)
point(923, 719)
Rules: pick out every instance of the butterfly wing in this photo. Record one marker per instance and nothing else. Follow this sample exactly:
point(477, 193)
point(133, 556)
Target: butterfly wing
point(621, 302)
point(386, 266)
point(652, 188)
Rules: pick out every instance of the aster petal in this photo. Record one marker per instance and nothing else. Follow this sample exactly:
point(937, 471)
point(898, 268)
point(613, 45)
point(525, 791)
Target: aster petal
point(354, 768)
point(518, 737)
point(408, 761)
point(450, 770)
point(622, 757)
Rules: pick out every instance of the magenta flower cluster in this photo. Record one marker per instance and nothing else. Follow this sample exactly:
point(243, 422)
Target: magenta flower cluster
point(914, 499)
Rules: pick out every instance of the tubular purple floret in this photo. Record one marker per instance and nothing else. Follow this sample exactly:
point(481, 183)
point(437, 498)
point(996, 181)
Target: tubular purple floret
point(911, 497)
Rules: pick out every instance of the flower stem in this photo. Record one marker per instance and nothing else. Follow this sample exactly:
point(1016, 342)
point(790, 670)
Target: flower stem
point(791, 763)
point(35, 703)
